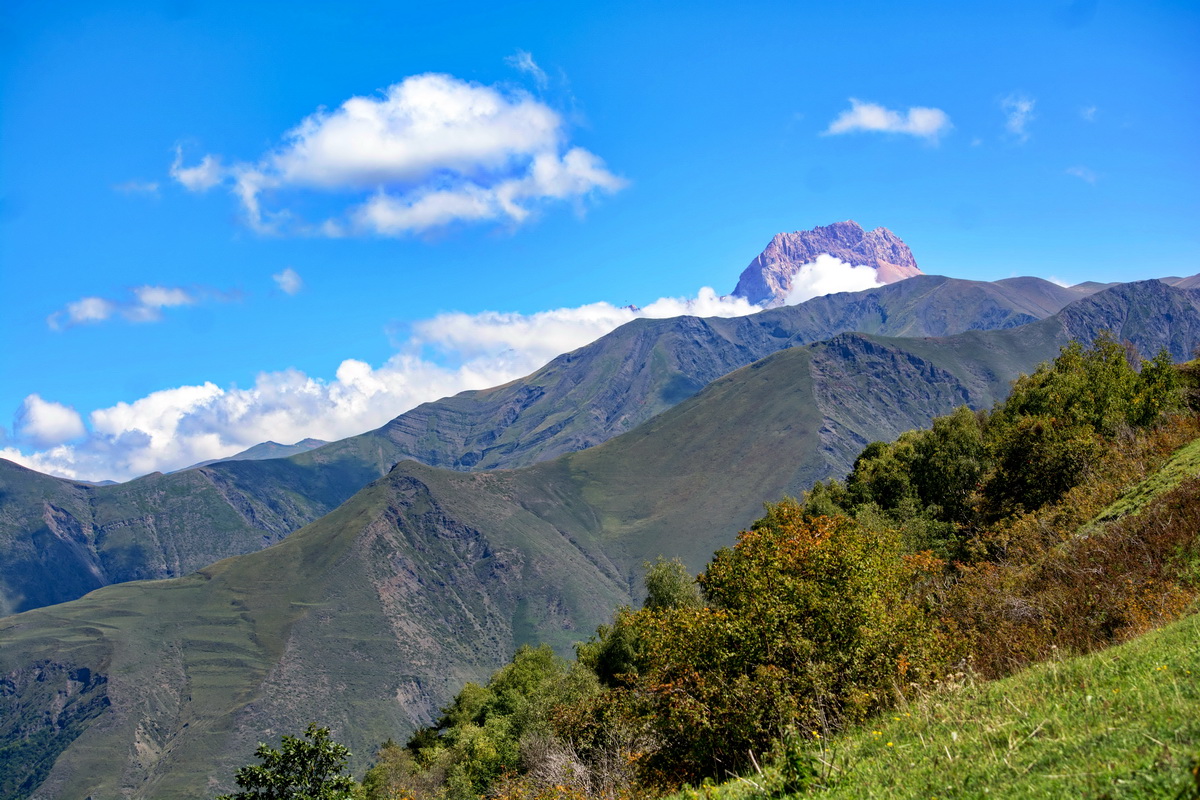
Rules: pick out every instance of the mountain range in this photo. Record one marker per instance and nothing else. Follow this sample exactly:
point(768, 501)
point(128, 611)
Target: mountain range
point(60, 539)
point(470, 526)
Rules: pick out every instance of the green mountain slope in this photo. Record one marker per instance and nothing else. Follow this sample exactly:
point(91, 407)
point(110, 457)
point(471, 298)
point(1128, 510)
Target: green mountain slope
point(371, 617)
point(59, 539)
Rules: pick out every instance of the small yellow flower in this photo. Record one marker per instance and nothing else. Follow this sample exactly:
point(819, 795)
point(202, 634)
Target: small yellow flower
point(889, 744)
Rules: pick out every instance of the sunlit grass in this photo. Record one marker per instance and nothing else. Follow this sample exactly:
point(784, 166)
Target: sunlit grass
point(1120, 723)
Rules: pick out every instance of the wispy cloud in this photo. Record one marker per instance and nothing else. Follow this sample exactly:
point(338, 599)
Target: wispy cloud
point(924, 123)
point(200, 178)
point(1083, 173)
point(430, 151)
point(289, 281)
point(1088, 113)
point(523, 61)
point(137, 187)
point(1018, 110)
point(141, 304)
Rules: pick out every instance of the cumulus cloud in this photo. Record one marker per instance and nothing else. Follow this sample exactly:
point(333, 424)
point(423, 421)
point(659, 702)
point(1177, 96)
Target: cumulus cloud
point(828, 275)
point(289, 281)
point(1019, 113)
point(524, 62)
point(45, 423)
point(144, 304)
point(446, 354)
point(925, 123)
point(1083, 173)
point(429, 151)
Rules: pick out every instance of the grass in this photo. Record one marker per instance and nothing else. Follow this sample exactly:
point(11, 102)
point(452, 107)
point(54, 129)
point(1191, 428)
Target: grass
point(1184, 464)
point(1120, 723)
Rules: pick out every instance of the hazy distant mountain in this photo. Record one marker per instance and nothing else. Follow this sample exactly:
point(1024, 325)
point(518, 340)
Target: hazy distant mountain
point(265, 450)
point(767, 280)
point(376, 613)
point(60, 539)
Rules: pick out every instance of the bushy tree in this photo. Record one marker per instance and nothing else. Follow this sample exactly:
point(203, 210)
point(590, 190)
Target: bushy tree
point(479, 735)
point(949, 463)
point(1053, 427)
point(308, 768)
point(670, 585)
point(807, 623)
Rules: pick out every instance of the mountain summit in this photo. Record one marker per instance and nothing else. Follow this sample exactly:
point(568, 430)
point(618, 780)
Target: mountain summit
point(768, 279)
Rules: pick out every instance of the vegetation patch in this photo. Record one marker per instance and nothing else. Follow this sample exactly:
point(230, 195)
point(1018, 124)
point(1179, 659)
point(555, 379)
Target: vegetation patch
point(1120, 723)
point(1183, 465)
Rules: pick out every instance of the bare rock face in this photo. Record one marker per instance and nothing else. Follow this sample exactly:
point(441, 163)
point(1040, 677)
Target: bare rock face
point(768, 279)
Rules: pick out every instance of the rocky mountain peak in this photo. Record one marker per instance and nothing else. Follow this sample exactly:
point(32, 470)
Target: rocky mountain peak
point(768, 279)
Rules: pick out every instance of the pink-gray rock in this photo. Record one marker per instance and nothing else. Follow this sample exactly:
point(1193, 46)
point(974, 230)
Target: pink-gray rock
point(768, 279)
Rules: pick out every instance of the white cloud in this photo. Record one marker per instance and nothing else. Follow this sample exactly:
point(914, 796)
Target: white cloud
point(429, 151)
point(82, 311)
point(828, 275)
point(137, 187)
point(1083, 173)
point(1088, 113)
point(524, 62)
point(447, 354)
point(202, 177)
point(926, 123)
point(289, 281)
point(1019, 111)
point(145, 305)
point(46, 423)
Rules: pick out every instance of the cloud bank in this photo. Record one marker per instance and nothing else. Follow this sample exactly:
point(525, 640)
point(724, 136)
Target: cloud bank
point(443, 355)
point(924, 123)
point(430, 151)
point(446, 354)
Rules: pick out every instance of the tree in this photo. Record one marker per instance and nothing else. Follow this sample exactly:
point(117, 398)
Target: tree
point(669, 585)
point(312, 768)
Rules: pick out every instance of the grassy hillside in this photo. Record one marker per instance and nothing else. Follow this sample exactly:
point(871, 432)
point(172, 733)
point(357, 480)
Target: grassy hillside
point(60, 539)
point(1120, 723)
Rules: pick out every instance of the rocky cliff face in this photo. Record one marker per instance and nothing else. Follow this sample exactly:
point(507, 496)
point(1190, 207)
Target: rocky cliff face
point(768, 279)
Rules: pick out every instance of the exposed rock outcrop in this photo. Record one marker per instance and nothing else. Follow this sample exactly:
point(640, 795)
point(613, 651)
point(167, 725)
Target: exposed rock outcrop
point(768, 279)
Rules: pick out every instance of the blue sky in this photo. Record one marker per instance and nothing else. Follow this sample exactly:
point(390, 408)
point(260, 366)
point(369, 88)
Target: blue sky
point(626, 152)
